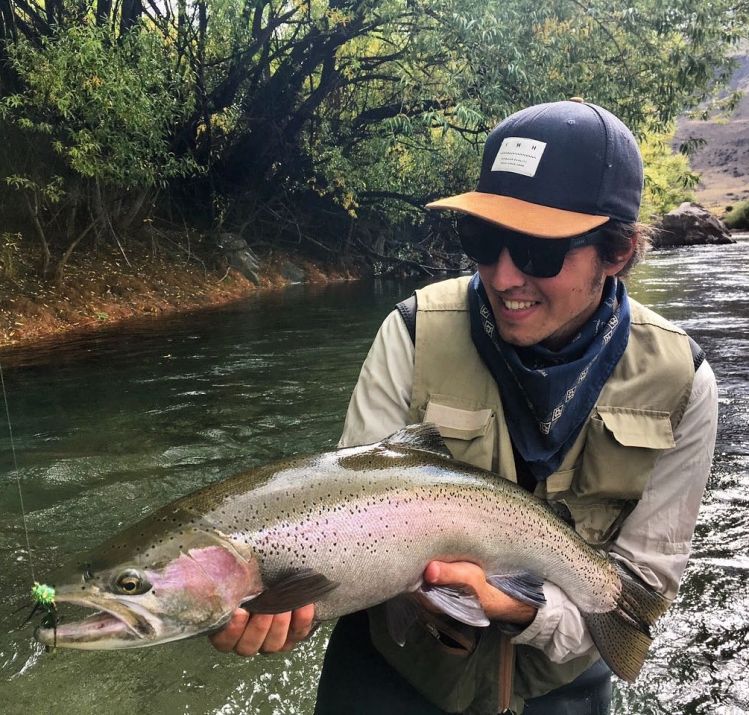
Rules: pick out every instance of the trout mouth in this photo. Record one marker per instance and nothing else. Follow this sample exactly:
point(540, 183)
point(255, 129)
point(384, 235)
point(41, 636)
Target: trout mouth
point(116, 625)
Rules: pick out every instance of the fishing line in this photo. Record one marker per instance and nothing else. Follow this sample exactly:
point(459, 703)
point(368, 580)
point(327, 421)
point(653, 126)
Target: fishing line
point(18, 476)
point(43, 595)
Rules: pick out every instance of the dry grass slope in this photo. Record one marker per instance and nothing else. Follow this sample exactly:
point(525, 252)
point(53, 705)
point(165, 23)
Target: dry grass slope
point(723, 161)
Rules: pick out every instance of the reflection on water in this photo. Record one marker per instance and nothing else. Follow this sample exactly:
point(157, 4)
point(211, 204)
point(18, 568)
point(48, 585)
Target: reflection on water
point(106, 427)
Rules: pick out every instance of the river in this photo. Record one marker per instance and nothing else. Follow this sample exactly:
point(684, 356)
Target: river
point(108, 426)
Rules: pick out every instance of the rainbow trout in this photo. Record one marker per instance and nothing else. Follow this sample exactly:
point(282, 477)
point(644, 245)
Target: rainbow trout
point(346, 530)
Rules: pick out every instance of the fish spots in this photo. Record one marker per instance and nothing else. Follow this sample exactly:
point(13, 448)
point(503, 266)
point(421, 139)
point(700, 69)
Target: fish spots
point(355, 522)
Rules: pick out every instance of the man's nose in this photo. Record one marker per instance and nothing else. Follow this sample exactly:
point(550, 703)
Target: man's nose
point(504, 275)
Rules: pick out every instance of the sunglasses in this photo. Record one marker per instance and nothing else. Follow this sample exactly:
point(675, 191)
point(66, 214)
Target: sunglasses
point(537, 257)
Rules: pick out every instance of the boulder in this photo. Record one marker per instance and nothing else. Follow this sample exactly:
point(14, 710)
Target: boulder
point(239, 255)
point(689, 225)
point(293, 273)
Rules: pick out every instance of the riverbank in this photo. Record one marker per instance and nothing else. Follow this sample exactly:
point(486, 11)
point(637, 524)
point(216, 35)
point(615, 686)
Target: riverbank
point(110, 286)
point(107, 288)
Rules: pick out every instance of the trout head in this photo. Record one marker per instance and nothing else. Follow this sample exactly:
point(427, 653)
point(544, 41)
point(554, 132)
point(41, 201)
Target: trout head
point(153, 584)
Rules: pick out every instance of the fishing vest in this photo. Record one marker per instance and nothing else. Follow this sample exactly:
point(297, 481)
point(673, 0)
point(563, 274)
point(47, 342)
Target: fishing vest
point(598, 484)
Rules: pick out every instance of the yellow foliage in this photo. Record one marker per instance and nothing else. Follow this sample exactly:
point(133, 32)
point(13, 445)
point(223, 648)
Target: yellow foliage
point(669, 179)
point(93, 82)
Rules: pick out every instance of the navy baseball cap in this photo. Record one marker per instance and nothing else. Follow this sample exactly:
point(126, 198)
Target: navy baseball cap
point(556, 170)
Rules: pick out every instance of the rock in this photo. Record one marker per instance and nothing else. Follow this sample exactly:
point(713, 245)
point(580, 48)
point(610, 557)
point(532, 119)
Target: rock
point(239, 255)
point(689, 225)
point(293, 273)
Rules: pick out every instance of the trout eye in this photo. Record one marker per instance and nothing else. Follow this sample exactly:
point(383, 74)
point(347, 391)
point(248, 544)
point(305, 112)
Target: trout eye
point(131, 583)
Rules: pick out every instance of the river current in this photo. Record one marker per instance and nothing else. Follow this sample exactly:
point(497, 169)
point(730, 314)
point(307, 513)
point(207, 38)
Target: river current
point(108, 426)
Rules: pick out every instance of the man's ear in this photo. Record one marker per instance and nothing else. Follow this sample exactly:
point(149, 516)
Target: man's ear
point(611, 269)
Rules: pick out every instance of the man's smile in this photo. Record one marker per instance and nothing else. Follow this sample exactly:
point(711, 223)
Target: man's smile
point(517, 304)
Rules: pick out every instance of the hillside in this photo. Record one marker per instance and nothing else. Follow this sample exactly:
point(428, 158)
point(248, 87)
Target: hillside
point(723, 161)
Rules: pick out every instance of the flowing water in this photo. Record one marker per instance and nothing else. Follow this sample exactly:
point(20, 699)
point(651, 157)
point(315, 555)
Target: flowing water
point(107, 427)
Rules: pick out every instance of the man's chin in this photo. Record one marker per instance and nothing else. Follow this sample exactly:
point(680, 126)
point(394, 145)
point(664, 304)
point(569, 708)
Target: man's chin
point(519, 337)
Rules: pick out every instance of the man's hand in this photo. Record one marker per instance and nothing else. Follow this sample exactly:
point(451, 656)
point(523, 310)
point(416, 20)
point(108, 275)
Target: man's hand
point(497, 605)
point(252, 633)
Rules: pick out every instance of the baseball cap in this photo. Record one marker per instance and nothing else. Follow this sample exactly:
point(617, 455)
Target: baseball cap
point(556, 170)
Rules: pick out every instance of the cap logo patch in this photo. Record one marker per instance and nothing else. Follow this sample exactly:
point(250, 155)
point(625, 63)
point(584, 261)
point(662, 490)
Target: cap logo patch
point(519, 155)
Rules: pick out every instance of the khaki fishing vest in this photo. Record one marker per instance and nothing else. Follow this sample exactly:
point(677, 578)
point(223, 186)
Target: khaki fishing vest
point(599, 482)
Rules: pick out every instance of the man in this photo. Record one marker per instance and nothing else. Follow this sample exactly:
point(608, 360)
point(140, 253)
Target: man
point(541, 369)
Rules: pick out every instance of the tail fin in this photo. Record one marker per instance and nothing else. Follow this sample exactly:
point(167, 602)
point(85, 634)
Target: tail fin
point(622, 635)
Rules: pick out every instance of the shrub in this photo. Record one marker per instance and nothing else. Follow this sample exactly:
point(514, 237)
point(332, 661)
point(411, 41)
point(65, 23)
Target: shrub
point(669, 180)
point(738, 216)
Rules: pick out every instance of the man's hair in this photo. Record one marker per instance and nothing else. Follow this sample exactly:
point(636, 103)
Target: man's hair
point(619, 237)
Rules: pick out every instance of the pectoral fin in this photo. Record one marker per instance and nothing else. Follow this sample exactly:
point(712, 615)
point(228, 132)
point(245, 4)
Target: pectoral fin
point(459, 603)
point(524, 587)
point(290, 592)
point(462, 604)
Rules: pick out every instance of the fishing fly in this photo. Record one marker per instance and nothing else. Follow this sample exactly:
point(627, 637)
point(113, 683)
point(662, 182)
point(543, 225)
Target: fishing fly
point(43, 596)
point(44, 600)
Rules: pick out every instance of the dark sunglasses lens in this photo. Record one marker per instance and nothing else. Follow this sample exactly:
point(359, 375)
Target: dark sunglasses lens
point(538, 257)
point(479, 240)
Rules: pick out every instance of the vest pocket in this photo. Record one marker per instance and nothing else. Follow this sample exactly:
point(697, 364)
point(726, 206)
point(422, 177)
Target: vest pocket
point(621, 447)
point(448, 676)
point(470, 434)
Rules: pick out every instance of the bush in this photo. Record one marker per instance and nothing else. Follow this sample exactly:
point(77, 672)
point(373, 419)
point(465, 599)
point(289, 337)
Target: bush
point(107, 107)
point(738, 216)
point(669, 180)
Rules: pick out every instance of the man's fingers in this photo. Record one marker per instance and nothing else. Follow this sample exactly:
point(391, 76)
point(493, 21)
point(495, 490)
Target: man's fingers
point(277, 633)
point(496, 604)
point(432, 573)
point(251, 633)
point(226, 639)
point(254, 634)
point(302, 621)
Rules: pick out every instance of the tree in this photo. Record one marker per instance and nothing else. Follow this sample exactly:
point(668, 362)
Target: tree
point(468, 65)
point(349, 113)
point(94, 118)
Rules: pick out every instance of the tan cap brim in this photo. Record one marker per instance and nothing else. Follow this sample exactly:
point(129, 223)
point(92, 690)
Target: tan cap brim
point(518, 215)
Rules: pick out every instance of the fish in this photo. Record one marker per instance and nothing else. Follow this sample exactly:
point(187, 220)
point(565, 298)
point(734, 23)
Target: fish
point(346, 530)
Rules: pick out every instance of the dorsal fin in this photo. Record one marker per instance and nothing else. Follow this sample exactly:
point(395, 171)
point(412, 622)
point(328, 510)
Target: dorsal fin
point(424, 437)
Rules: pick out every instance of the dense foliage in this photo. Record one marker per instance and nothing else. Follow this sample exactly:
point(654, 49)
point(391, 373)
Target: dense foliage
point(669, 181)
point(332, 121)
point(737, 217)
point(92, 127)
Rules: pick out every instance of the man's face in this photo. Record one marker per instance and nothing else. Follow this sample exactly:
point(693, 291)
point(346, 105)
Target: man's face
point(550, 311)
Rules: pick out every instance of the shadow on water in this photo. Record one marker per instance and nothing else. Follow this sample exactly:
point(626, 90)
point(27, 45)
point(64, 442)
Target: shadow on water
point(109, 426)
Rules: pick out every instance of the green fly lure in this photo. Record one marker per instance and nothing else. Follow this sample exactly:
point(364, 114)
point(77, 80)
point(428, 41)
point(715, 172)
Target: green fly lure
point(44, 600)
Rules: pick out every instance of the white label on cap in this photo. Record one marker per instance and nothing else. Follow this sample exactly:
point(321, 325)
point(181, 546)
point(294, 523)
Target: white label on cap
point(519, 155)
